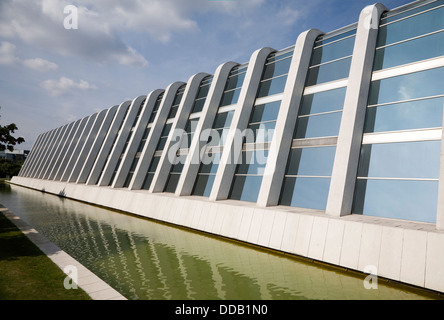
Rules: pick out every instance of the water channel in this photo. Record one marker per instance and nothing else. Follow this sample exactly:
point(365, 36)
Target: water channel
point(144, 259)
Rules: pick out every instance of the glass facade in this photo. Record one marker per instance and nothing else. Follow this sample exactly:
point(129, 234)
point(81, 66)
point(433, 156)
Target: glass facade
point(163, 138)
point(193, 119)
point(309, 167)
point(399, 169)
point(210, 162)
point(143, 141)
point(249, 172)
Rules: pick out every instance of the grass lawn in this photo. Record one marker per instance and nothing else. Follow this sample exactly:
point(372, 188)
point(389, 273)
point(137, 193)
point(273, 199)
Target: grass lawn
point(26, 273)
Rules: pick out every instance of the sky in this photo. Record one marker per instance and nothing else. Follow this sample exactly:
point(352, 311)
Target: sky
point(62, 60)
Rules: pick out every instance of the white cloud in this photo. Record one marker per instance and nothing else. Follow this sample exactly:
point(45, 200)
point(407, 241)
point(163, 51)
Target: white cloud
point(40, 64)
point(65, 85)
point(7, 53)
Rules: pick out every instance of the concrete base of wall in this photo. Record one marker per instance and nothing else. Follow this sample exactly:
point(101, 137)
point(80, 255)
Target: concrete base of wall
point(403, 251)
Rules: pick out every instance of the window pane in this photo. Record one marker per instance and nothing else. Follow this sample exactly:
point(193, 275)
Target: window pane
point(305, 192)
point(246, 188)
point(262, 132)
point(171, 185)
point(273, 86)
point(322, 41)
point(411, 51)
point(316, 161)
point(148, 179)
point(265, 112)
point(276, 69)
point(203, 186)
point(230, 97)
point(332, 51)
point(391, 16)
point(323, 125)
point(405, 116)
point(223, 120)
point(235, 81)
point(198, 105)
point(397, 199)
point(411, 27)
point(253, 162)
point(410, 86)
point(329, 72)
point(401, 160)
point(324, 101)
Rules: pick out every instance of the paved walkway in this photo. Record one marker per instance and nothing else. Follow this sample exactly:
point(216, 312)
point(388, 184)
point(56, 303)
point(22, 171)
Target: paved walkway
point(95, 287)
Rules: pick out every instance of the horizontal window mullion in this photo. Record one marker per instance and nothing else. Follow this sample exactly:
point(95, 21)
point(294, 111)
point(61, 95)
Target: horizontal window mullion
point(408, 17)
point(331, 61)
point(319, 113)
point(402, 179)
point(410, 39)
point(403, 101)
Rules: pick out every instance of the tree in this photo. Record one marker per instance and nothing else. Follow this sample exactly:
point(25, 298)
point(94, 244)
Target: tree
point(7, 141)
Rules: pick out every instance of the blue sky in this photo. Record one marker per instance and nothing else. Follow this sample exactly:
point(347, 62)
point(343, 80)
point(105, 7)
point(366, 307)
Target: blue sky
point(122, 49)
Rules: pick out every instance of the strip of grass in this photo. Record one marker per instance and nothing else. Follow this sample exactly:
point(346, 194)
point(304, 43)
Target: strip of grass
point(26, 273)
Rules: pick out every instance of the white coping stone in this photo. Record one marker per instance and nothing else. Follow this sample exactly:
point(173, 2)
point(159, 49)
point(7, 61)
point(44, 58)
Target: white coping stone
point(351, 244)
point(434, 275)
point(290, 232)
point(244, 229)
point(333, 241)
point(266, 228)
point(370, 246)
point(280, 219)
point(317, 239)
point(303, 235)
point(414, 257)
point(255, 226)
point(391, 251)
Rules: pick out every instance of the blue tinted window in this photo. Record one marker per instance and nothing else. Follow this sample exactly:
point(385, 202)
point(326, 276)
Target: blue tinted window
point(273, 86)
point(418, 160)
point(322, 125)
point(261, 132)
point(305, 192)
point(235, 81)
point(253, 162)
point(396, 14)
point(323, 101)
point(329, 72)
point(230, 97)
point(246, 188)
point(329, 38)
point(223, 119)
point(411, 27)
point(411, 51)
point(332, 51)
point(203, 186)
point(314, 161)
point(276, 69)
point(405, 116)
point(397, 199)
point(410, 86)
point(265, 112)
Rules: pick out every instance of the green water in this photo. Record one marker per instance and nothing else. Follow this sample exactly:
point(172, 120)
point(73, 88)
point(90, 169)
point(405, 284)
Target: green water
point(143, 259)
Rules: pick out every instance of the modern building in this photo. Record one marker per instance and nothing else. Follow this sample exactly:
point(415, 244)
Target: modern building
point(329, 149)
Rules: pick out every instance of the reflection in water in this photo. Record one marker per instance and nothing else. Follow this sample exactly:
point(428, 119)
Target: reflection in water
point(147, 260)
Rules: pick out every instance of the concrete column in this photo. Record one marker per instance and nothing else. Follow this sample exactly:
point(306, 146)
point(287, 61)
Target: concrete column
point(70, 148)
point(41, 153)
point(286, 120)
point(154, 135)
point(133, 145)
point(95, 148)
point(209, 111)
point(56, 151)
point(232, 149)
point(120, 142)
point(440, 207)
point(175, 136)
point(107, 145)
point(340, 198)
point(86, 146)
point(78, 147)
point(62, 153)
point(31, 156)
